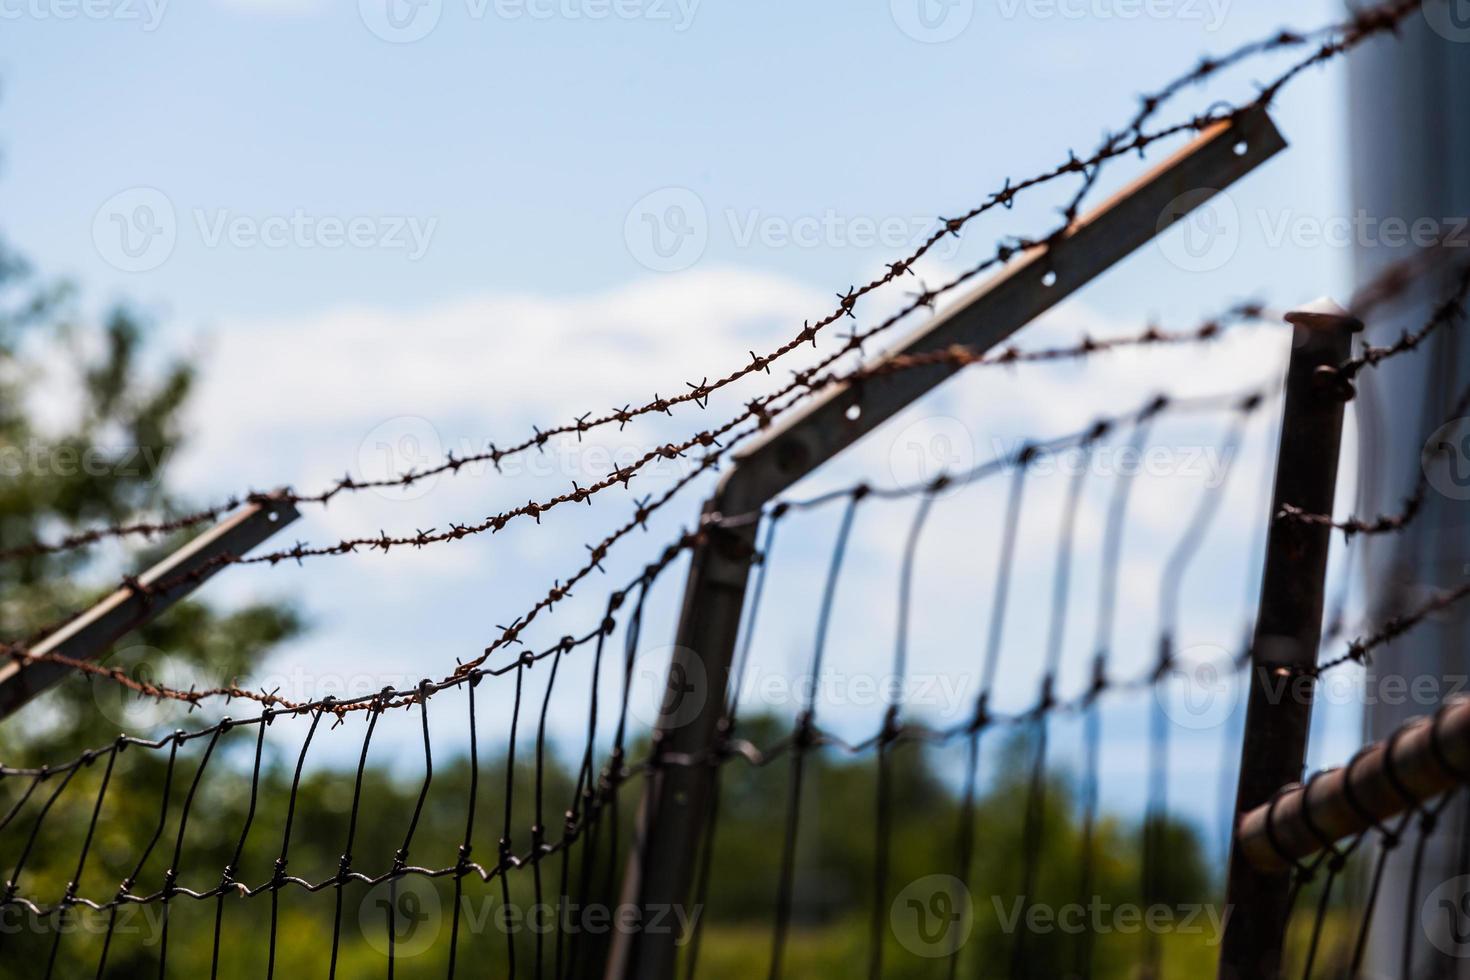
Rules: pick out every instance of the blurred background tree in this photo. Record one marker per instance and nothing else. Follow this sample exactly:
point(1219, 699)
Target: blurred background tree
point(102, 457)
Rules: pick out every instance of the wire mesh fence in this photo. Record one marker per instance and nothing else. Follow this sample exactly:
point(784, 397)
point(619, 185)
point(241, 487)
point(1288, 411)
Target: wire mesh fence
point(957, 736)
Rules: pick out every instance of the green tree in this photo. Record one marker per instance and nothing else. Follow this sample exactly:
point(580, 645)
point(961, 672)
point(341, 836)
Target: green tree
point(103, 457)
point(112, 427)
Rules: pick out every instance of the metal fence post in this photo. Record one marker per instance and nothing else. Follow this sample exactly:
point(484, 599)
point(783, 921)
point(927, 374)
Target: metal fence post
point(678, 795)
point(1288, 627)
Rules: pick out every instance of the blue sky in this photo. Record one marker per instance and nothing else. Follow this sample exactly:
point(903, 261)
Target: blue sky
point(529, 139)
point(496, 167)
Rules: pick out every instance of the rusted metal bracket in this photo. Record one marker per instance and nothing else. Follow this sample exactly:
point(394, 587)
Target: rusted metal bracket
point(92, 634)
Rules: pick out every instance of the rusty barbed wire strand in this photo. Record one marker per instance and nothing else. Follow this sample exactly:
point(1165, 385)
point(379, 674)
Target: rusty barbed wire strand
point(763, 413)
point(957, 355)
point(1360, 651)
point(510, 635)
point(697, 393)
point(810, 382)
point(1361, 26)
point(1445, 313)
point(1390, 284)
point(798, 388)
point(144, 529)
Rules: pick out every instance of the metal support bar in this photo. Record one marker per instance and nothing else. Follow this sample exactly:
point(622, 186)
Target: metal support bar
point(672, 813)
point(988, 315)
point(90, 635)
point(1288, 632)
point(1427, 757)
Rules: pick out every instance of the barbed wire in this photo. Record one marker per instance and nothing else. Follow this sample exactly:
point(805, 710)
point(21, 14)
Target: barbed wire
point(1446, 313)
point(1392, 283)
point(1387, 287)
point(1364, 24)
point(1360, 650)
point(510, 635)
point(802, 387)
